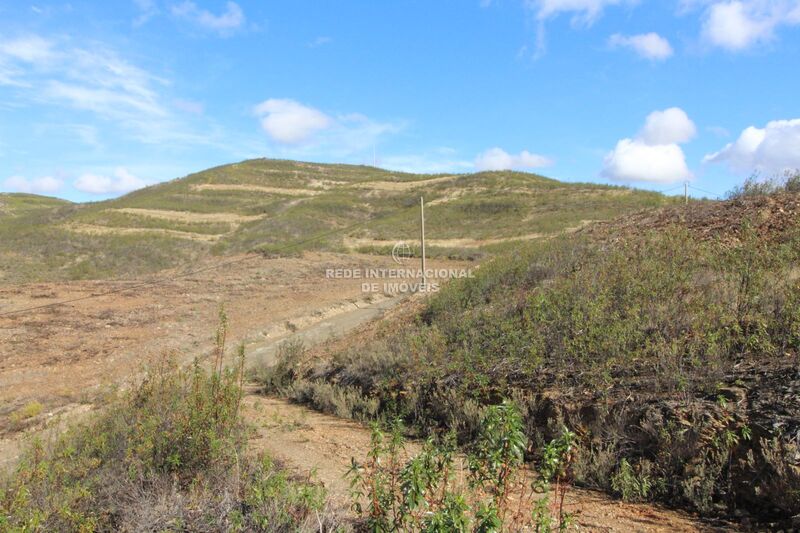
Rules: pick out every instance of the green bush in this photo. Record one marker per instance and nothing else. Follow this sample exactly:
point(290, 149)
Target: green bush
point(167, 456)
point(755, 185)
point(620, 338)
point(423, 493)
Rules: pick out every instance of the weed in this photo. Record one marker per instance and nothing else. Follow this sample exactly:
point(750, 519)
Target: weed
point(168, 455)
point(30, 410)
point(424, 493)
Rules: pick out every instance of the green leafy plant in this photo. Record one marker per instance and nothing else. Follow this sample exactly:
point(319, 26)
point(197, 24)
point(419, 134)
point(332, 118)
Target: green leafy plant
point(423, 493)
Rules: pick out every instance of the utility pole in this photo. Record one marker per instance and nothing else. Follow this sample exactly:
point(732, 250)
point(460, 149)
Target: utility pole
point(686, 192)
point(424, 284)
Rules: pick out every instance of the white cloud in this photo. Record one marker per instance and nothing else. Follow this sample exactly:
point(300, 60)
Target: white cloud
point(772, 149)
point(354, 132)
point(634, 160)
point(719, 131)
point(231, 19)
point(730, 26)
point(289, 122)
point(320, 41)
point(499, 159)
point(43, 185)
point(17, 55)
point(301, 130)
point(95, 80)
point(121, 181)
point(30, 49)
point(147, 10)
point(671, 126)
point(584, 11)
point(654, 155)
point(189, 106)
point(648, 45)
point(425, 163)
point(736, 25)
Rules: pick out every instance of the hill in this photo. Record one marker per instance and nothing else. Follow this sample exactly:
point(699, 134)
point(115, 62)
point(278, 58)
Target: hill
point(667, 341)
point(265, 204)
point(19, 204)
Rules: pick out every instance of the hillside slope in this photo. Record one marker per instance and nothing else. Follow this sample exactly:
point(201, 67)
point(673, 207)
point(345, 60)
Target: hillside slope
point(668, 341)
point(265, 204)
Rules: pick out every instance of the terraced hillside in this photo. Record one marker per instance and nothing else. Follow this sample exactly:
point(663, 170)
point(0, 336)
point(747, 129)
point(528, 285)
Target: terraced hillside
point(265, 204)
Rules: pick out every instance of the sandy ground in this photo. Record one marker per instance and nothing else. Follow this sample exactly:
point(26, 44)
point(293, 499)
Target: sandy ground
point(308, 441)
point(64, 357)
point(188, 216)
point(93, 229)
point(401, 185)
point(254, 188)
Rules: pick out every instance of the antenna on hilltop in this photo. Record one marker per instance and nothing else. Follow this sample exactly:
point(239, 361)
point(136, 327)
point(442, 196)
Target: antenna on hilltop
point(374, 157)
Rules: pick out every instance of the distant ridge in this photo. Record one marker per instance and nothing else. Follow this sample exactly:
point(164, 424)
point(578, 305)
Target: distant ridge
point(261, 204)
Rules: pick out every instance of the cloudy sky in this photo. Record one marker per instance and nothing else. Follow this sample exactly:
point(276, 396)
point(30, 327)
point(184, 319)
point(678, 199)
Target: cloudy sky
point(100, 98)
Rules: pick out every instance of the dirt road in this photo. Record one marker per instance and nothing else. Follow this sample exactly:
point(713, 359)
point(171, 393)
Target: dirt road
point(63, 357)
point(56, 361)
point(308, 441)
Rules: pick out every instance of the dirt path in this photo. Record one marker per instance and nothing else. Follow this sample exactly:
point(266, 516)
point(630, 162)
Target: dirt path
point(254, 188)
point(187, 216)
point(332, 322)
point(356, 243)
point(308, 441)
point(402, 185)
point(92, 229)
point(61, 359)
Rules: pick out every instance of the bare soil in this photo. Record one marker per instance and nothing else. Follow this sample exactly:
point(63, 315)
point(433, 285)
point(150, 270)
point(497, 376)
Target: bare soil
point(93, 229)
point(65, 357)
point(253, 188)
point(321, 446)
point(188, 216)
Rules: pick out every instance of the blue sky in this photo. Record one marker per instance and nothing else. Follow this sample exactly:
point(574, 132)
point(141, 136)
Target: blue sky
point(99, 98)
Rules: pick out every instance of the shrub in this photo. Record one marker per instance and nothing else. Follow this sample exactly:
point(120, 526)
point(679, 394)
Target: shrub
point(755, 185)
point(30, 410)
point(168, 455)
point(393, 493)
point(630, 340)
point(632, 485)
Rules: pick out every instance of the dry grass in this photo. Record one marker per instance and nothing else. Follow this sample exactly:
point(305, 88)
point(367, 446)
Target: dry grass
point(254, 188)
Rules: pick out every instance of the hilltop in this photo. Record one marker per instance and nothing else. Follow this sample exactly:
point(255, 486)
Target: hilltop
point(262, 205)
point(18, 204)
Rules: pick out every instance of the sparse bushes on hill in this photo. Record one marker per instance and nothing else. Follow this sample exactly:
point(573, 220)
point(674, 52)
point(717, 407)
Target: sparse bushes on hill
point(755, 185)
point(673, 358)
point(168, 456)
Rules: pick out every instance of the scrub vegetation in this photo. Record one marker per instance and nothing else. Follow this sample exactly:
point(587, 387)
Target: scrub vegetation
point(668, 344)
point(263, 205)
point(167, 456)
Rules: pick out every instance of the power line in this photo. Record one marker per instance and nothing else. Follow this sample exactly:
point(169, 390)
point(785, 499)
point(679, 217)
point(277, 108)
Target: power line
point(705, 191)
point(157, 282)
